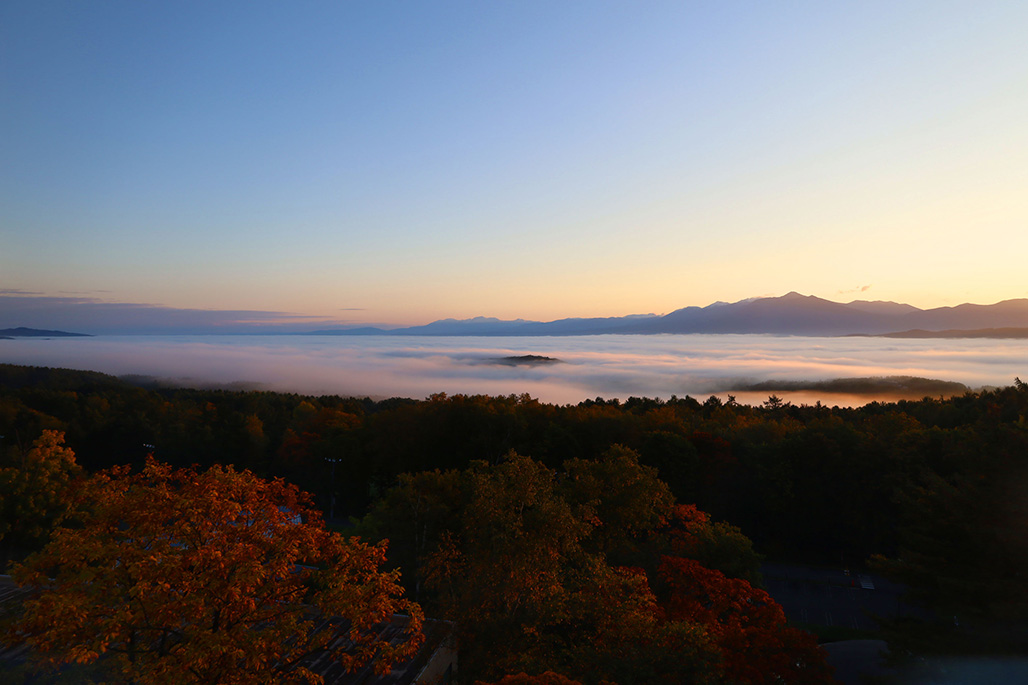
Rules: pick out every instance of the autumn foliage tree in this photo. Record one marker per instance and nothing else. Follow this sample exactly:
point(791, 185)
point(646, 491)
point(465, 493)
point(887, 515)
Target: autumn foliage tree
point(33, 494)
point(502, 550)
point(179, 576)
point(502, 569)
point(717, 545)
point(619, 497)
point(745, 623)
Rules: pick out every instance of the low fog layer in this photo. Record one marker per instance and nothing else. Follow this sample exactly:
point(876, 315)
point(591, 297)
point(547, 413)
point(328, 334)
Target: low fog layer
point(754, 366)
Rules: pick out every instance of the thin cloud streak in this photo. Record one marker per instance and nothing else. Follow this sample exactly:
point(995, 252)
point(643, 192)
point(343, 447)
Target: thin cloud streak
point(18, 291)
point(80, 314)
point(858, 289)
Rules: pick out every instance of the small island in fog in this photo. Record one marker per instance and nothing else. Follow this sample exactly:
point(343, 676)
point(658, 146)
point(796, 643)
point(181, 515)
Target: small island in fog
point(526, 360)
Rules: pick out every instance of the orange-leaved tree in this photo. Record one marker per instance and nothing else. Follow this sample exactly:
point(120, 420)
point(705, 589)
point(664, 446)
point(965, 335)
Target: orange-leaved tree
point(33, 497)
point(209, 577)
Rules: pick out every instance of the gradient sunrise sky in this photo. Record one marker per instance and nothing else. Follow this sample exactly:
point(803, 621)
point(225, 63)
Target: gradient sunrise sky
point(400, 162)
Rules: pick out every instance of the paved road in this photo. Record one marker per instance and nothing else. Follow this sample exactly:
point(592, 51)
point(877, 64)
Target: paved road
point(833, 597)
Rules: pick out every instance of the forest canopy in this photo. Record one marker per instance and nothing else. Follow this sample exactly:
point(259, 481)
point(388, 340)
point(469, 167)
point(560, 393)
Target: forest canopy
point(932, 491)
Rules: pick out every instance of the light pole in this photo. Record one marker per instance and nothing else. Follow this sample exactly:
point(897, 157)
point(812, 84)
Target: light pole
point(332, 493)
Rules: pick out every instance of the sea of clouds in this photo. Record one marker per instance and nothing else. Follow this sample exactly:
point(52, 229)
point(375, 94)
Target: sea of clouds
point(590, 366)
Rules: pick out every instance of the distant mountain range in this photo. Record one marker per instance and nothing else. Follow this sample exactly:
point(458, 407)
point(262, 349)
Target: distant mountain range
point(791, 314)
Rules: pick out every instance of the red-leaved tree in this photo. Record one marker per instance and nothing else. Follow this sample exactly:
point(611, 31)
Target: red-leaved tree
point(179, 576)
point(746, 624)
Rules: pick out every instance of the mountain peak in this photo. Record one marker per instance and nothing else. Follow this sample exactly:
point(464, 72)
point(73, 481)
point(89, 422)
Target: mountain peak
point(793, 296)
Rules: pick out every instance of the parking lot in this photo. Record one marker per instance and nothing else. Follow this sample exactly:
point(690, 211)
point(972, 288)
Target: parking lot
point(833, 596)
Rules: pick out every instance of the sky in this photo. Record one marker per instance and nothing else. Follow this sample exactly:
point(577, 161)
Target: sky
point(397, 162)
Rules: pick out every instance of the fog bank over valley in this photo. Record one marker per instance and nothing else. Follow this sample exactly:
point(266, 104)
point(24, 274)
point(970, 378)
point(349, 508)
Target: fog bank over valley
point(560, 370)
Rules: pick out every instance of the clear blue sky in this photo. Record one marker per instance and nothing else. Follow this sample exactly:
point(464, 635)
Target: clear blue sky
point(399, 162)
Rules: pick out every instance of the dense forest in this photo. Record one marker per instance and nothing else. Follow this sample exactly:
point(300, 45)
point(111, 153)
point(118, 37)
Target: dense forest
point(931, 492)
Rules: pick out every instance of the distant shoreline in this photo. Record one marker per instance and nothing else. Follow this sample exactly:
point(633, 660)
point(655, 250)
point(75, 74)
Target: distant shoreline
point(22, 332)
point(889, 386)
point(955, 333)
